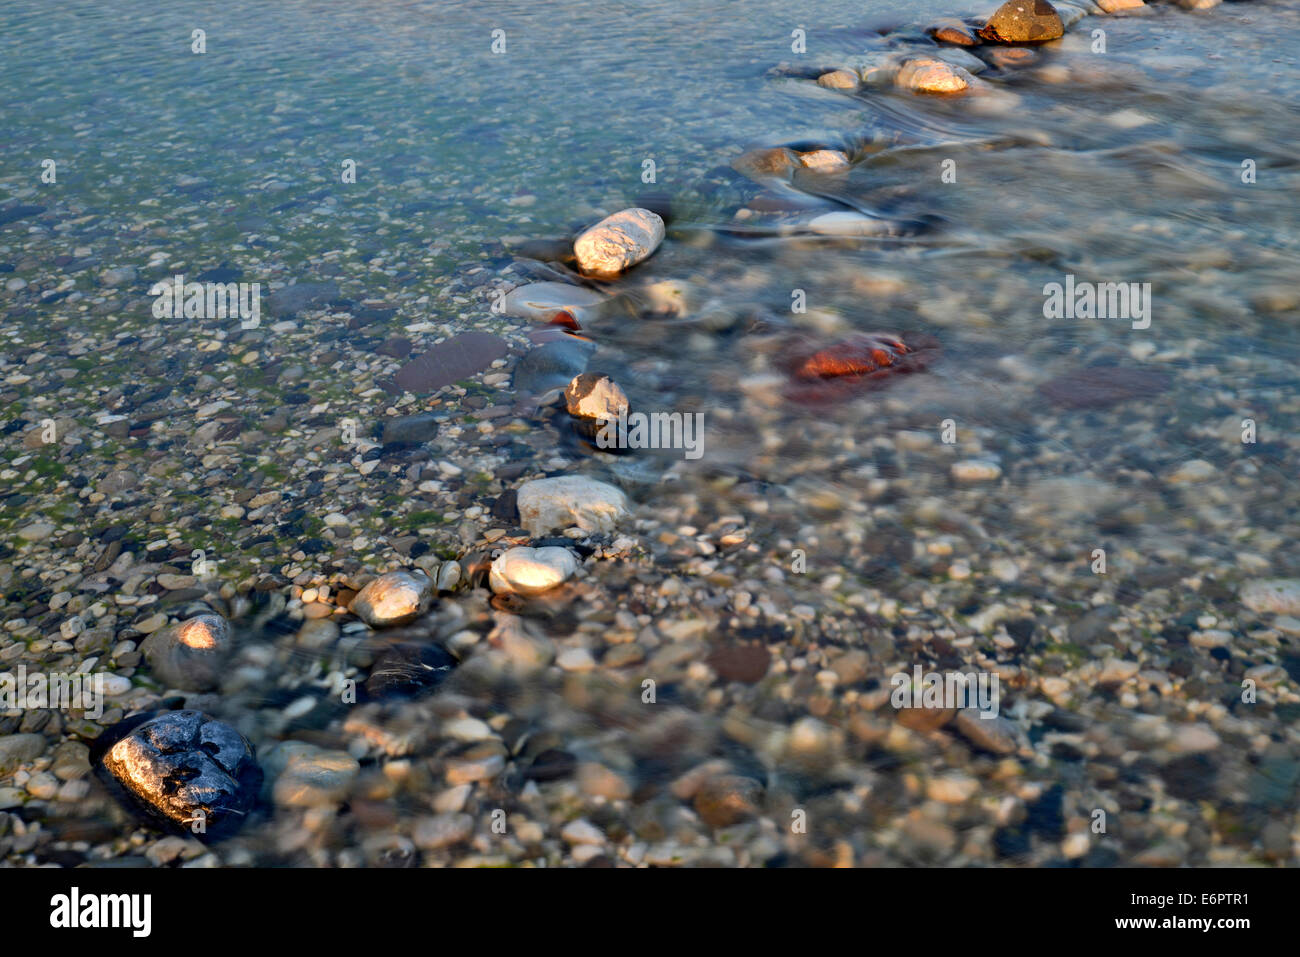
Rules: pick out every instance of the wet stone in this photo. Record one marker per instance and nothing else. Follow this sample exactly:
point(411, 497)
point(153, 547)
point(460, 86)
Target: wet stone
point(531, 571)
point(1023, 21)
point(1099, 386)
point(552, 365)
point(618, 242)
point(393, 598)
point(565, 501)
point(459, 357)
point(190, 655)
point(407, 671)
point(410, 429)
point(182, 770)
point(728, 799)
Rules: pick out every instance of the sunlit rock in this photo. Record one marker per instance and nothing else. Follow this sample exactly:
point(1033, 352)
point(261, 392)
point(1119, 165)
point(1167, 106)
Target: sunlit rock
point(618, 242)
point(568, 500)
point(181, 770)
point(531, 571)
point(393, 598)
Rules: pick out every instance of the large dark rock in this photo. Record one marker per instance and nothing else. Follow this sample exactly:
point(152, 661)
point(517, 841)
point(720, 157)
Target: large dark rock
point(181, 770)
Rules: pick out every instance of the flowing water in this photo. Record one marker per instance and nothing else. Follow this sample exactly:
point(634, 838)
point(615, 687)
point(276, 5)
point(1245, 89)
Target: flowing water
point(952, 518)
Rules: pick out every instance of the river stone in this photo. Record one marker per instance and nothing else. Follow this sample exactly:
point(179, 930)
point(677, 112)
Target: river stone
point(551, 365)
point(190, 655)
point(839, 80)
point(1099, 386)
point(405, 671)
point(847, 223)
point(300, 297)
point(314, 777)
point(931, 75)
point(618, 242)
point(1278, 595)
point(18, 749)
point(542, 300)
point(1115, 6)
point(594, 396)
point(181, 769)
point(531, 571)
point(728, 799)
point(567, 500)
point(393, 598)
point(764, 164)
point(459, 357)
point(951, 30)
point(410, 429)
point(824, 161)
point(1023, 21)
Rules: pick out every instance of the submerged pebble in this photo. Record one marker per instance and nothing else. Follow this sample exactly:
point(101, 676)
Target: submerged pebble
point(190, 654)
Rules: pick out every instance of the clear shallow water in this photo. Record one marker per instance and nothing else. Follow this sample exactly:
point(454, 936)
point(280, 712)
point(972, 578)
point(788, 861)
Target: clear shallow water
point(1115, 167)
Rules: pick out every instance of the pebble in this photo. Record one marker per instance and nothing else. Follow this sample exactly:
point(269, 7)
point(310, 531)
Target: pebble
point(618, 242)
point(1115, 6)
point(1192, 472)
point(976, 470)
point(727, 800)
point(18, 749)
point(1281, 596)
point(847, 223)
point(824, 161)
point(190, 655)
point(314, 777)
point(839, 80)
point(36, 532)
point(393, 598)
point(410, 429)
point(442, 830)
point(405, 671)
point(180, 767)
point(951, 30)
point(531, 571)
point(929, 75)
point(542, 300)
point(995, 734)
point(582, 831)
point(952, 788)
point(564, 501)
point(594, 396)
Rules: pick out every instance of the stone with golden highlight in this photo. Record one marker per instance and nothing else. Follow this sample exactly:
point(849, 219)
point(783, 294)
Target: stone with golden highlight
point(531, 571)
point(1023, 21)
point(190, 655)
point(182, 770)
point(393, 598)
point(618, 242)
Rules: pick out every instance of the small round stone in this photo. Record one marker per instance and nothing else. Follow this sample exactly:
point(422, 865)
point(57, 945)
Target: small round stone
point(531, 571)
point(393, 598)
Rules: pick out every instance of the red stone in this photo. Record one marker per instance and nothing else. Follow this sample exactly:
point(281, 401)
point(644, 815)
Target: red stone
point(863, 361)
